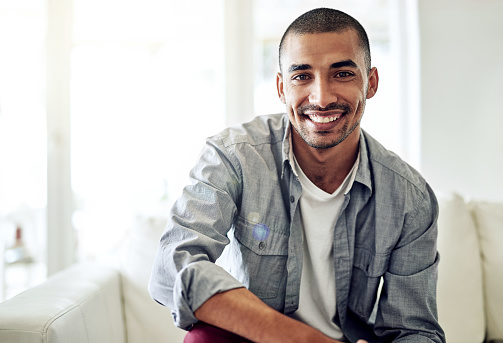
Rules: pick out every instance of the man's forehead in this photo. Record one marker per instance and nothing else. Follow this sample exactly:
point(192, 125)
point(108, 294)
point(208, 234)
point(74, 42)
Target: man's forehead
point(303, 38)
point(301, 47)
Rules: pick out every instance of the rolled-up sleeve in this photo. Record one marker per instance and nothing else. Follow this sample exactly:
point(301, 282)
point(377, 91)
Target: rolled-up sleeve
point(407, 306)
point(184, 274)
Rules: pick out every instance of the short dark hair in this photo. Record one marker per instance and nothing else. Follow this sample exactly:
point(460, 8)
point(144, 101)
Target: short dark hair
point(323, 20)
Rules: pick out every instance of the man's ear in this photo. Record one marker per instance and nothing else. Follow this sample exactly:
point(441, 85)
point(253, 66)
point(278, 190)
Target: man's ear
point(279, 86)
point(373, 82)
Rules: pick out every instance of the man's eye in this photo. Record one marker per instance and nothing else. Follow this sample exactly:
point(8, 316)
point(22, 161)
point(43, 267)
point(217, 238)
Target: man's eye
point(343, 74)
point(301, 77)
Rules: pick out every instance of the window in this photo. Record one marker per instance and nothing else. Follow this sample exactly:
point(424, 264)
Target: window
point(22, 142)
point(147, 88)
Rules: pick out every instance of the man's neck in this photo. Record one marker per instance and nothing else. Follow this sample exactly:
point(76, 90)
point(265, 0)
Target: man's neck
point(327, 168)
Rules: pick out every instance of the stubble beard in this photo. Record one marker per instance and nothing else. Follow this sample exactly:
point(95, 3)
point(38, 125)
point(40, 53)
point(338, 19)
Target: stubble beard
point(316, 141)
point(317, 144)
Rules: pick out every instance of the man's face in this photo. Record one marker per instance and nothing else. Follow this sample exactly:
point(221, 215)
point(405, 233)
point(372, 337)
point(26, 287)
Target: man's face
point(324, 85)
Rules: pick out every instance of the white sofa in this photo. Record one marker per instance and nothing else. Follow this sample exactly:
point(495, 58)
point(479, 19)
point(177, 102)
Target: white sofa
point(470, 284)
point(99, 303)
point(95, 302)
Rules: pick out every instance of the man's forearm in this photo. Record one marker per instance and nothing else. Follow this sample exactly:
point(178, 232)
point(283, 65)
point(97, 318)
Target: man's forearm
point(241, 312)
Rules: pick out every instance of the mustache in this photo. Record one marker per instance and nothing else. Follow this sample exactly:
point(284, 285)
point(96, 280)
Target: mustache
point(332, 106)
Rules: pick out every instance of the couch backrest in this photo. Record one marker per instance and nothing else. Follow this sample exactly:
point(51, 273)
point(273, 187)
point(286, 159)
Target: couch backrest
point(146, 321)
point(460, 286)
point(470, 283)
point(489, 221)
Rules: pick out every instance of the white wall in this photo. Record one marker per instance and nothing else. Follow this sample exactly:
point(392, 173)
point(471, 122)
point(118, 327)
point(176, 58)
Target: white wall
point(461, 46)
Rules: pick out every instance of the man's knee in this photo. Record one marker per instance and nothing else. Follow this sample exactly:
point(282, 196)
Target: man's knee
point(205, 333)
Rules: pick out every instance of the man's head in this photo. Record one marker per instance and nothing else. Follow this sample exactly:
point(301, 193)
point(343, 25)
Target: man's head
point(323, 20)
point(325, 78)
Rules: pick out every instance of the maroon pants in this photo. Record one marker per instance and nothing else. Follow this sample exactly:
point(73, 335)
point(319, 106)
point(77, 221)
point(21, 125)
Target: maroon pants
point(205, 333)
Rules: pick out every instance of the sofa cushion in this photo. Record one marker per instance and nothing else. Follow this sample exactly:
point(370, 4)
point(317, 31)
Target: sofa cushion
point(459, 292)
point(489, 219)
point(146, 321)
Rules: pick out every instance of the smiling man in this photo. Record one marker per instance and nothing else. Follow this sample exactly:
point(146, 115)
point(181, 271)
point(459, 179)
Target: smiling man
point(322, 234)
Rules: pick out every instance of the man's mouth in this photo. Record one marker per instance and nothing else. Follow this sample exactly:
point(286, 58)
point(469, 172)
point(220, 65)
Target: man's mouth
point(323, 116)
point(323, 119)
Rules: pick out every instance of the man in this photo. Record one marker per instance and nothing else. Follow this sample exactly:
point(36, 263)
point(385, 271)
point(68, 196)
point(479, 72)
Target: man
point(313, 214)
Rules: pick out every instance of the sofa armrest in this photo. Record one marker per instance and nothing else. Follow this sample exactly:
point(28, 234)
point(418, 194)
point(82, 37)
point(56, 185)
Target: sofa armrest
point(80, 304)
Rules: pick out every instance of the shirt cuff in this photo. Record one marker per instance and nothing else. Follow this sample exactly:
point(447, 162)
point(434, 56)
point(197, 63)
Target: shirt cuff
point(195, 284)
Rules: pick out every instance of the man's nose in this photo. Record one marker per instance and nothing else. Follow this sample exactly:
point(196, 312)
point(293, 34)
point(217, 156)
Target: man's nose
point(322, 93)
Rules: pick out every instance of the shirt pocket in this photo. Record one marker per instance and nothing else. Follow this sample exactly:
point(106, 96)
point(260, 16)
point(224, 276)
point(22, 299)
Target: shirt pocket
point(368, 268)
point(264, 253)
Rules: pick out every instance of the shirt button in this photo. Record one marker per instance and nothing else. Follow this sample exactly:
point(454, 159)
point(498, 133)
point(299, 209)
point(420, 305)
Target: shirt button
point(261, 245)
point(292, 199)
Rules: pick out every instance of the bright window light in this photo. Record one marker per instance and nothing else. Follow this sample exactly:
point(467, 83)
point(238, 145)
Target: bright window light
point(146, 90)
point(22, 144)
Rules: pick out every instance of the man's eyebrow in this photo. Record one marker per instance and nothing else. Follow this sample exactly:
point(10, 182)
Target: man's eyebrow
point(297, 67)
point(336, 65)
point(346, 63)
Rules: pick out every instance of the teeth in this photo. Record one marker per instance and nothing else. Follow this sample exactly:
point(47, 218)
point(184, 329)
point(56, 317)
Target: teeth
point(317, 119)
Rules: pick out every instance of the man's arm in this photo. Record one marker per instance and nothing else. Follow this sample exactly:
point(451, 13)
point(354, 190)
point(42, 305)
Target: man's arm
point(408, 295)
point(241, 312)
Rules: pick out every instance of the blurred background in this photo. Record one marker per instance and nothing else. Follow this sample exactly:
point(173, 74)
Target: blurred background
point(105, 105)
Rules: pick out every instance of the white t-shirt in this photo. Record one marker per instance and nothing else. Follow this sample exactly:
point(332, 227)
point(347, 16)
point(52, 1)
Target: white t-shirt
point(319, 213)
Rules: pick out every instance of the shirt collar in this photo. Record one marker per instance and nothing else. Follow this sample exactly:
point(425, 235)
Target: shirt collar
point(287, 145)
point(363, 173)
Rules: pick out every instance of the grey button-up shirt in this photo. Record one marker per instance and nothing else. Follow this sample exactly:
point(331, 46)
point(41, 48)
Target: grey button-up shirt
point(242, 208)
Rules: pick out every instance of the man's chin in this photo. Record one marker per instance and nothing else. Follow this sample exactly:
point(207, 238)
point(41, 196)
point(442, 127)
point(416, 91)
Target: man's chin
point(321, 144)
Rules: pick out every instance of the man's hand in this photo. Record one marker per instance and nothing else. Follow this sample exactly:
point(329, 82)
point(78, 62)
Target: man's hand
point(241, 312)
